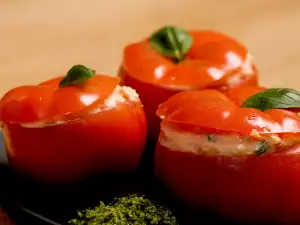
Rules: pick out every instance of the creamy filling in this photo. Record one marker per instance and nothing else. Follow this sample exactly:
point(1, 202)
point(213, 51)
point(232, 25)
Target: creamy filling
point(213, 144)
point(246, 70)
point(120, 95)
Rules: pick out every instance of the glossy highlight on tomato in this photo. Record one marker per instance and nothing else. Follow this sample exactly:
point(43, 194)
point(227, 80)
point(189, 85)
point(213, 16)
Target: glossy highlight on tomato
point(245, 187)
point(213, 61)
point(64, 134)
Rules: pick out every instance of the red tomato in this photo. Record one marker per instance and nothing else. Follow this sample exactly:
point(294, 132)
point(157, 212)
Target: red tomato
point(64, 134)
point(242, 187)
point(214, 61)
point(4, 218)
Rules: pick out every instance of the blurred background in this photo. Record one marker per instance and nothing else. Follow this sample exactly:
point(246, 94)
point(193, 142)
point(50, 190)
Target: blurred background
point(44, 38)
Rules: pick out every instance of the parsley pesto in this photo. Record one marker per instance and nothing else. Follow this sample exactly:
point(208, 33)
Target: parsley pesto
point(130, 210)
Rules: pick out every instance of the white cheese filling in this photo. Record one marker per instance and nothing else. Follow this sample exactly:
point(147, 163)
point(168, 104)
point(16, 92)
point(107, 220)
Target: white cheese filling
point(121, 94)
point(246, 70)
point(212, 144)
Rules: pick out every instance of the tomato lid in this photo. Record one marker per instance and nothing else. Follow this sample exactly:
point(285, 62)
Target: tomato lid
point(210, 59)
point(58, 100)
point(227, 112)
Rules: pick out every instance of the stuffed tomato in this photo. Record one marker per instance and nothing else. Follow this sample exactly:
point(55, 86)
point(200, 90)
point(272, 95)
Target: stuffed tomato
point(172, 60)
point(237, 153)
point(67, 128)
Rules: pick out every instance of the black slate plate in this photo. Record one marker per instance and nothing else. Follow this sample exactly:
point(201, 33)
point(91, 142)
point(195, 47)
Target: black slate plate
point(29, 202)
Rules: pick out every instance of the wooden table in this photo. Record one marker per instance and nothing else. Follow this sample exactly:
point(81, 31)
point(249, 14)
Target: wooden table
point(43, 38)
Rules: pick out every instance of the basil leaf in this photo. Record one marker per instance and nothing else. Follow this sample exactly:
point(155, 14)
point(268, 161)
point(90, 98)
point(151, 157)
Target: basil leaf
point(274, 98)
point(78, 74)
point(172, 42)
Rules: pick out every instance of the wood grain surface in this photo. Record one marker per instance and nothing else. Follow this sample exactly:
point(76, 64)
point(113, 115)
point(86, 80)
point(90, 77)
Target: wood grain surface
point(44, 38)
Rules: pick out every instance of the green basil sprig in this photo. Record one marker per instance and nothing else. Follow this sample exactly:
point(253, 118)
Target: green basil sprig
point(274, 98)
point(172, 42)
point(78, 74)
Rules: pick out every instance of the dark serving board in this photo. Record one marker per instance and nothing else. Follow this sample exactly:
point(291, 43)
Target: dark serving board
point(30, 203)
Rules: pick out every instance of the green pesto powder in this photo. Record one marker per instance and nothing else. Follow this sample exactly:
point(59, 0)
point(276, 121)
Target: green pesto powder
point(130, 210)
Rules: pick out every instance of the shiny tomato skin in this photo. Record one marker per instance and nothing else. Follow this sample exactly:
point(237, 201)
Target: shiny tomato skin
point(48, 103)
point(216, 110)
point(214, 61)
point(109, 141)
point(246, 189)
point(65, 134)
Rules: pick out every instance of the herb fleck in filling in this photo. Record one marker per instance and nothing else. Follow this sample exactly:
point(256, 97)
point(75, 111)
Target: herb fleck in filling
point(262, 148)
point(211, 138)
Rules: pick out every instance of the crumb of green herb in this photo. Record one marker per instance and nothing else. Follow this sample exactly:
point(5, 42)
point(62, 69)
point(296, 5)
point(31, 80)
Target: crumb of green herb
point(131, 210)
point(211, 137)
point(262, 148)
point(249, 139)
